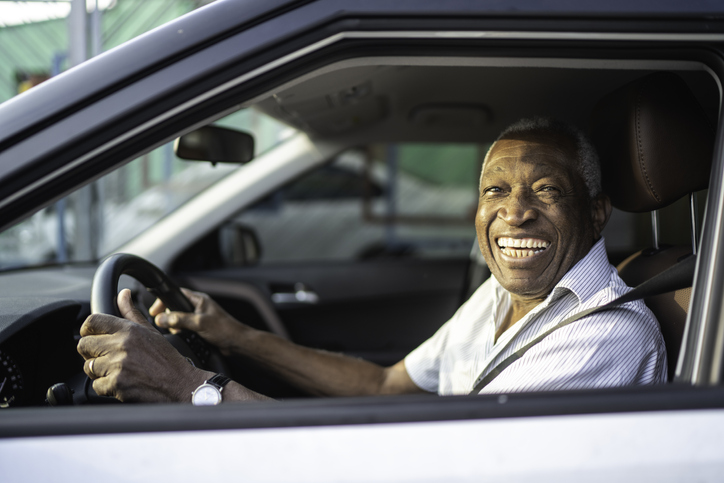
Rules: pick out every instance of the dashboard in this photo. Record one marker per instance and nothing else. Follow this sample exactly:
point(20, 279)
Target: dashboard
point(41, 311)
point(41, 354)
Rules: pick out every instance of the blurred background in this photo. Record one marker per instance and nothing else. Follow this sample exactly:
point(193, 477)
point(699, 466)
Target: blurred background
point(41, 39)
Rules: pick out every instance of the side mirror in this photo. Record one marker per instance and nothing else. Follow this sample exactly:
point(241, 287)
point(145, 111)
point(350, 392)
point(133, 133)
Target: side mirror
point(216, 145)
point(238, 245)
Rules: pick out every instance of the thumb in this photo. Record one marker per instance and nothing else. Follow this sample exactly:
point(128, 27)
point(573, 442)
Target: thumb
point(128, 310)
point(196, 299)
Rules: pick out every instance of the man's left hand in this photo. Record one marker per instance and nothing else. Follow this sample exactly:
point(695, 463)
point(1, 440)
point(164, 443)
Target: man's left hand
point(129, 359)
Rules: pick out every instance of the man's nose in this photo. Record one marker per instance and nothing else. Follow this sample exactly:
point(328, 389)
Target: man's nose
point(516, 209)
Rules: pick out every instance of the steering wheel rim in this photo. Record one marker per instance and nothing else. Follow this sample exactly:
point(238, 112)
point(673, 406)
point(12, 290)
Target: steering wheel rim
point(104, 293)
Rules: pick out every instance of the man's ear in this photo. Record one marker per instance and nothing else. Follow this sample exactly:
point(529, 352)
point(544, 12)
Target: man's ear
point(600, 213)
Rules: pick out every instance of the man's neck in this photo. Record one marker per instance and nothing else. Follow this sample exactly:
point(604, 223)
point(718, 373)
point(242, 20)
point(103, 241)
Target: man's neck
point(519, 308)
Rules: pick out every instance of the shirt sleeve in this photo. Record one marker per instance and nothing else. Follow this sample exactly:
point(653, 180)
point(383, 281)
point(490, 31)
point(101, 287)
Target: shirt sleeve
point(423, 363)
point(614, 348)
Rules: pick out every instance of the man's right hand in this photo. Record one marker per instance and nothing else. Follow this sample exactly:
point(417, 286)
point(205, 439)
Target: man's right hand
point(208, 320)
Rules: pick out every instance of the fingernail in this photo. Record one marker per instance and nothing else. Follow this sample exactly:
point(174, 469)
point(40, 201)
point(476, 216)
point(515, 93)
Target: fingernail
point(161, 320)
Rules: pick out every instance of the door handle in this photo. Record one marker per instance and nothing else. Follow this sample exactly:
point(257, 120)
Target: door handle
point(301, 295)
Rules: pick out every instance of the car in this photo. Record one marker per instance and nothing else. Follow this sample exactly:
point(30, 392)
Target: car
point(351, 230)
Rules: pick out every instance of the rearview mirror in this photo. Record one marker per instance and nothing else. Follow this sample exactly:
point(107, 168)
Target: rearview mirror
point(216, 145)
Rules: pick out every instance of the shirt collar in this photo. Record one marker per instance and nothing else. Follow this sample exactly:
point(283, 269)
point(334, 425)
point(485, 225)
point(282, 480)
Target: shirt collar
point(587, 277)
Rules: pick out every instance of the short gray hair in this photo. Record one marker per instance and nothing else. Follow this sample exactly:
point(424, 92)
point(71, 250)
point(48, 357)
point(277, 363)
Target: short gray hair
point(589, 165)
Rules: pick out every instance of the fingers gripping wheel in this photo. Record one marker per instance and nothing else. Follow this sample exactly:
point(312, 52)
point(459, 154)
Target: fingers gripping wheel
point(105, 291)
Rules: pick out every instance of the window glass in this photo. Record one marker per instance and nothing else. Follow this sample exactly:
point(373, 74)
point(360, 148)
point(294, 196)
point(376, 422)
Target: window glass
point(394, 200)
point(102, 216)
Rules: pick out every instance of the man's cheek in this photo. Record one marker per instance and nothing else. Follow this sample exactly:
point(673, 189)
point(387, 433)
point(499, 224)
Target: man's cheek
point(482, 230)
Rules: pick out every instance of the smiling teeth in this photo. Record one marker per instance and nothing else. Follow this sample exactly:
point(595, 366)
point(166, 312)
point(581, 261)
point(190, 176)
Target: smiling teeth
point(507, 244)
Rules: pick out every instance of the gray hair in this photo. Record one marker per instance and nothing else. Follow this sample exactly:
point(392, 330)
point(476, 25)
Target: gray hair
point(588, 162)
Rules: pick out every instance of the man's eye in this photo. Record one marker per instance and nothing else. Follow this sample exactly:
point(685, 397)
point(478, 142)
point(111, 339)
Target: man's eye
point(549, 189)
point(492, 190)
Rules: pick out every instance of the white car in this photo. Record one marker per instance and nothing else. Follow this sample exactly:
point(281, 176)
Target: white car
point(351, 230)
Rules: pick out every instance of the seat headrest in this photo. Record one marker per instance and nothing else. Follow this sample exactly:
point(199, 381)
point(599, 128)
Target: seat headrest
point(655, 143)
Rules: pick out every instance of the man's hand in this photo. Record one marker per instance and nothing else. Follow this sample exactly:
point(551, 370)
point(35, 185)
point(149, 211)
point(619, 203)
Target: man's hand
point(129, 359)
point(209, 320)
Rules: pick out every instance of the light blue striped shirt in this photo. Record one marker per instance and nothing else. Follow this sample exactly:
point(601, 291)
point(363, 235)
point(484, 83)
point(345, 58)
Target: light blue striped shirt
point(619, 347)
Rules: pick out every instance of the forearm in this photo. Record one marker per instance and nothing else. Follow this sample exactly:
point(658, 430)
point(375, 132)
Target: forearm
point(315, 371)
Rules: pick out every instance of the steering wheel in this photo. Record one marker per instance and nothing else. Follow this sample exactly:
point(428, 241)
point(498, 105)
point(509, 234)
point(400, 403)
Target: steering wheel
point(105, 291)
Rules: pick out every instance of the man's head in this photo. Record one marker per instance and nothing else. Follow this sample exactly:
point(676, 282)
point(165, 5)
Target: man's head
point(541, 207)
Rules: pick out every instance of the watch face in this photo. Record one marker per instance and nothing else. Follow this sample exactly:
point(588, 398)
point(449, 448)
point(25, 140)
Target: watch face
point(206, 395)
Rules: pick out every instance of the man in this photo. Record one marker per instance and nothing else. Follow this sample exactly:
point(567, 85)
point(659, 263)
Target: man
point(539, 223)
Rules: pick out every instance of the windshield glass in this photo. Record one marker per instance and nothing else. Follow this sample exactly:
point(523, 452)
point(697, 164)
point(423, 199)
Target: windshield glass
point(97, 219)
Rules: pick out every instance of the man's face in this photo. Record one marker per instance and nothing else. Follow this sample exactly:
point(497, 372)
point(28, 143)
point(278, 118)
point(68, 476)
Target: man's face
point(535, 218)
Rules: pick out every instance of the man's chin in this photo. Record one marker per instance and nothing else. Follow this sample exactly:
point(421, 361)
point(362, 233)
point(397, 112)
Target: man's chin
point(528, 286)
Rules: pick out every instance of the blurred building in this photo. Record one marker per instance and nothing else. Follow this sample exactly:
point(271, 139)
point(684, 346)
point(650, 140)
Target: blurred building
point(41, 39)
point(35, 35)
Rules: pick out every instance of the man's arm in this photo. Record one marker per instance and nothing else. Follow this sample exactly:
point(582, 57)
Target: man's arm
point(132, 361)
point(320, 372)
point(315, 371)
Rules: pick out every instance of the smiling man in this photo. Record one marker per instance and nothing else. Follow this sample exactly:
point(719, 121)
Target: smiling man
point(539, 223)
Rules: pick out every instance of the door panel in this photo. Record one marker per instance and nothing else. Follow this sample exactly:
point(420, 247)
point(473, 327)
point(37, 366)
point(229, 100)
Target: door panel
point(376, 310)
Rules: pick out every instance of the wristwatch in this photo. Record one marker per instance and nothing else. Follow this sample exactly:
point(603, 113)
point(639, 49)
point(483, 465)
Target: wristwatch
point(209, 393)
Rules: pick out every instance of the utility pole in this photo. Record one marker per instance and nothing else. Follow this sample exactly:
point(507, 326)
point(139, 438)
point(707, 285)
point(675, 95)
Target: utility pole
point(77, 32)
point(87, 219)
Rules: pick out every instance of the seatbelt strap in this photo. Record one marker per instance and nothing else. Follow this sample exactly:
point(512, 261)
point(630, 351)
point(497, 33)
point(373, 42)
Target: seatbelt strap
point(675, 277)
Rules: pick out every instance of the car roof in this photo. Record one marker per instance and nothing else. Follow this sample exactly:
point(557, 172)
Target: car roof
point(456, 99)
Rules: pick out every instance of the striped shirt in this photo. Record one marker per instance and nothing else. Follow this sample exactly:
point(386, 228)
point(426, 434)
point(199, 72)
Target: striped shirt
point(617, 347)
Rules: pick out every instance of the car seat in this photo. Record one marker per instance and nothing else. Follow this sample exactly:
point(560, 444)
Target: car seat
point(656, 145)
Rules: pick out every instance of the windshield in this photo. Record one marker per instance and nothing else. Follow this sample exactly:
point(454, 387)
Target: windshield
point(97, 219)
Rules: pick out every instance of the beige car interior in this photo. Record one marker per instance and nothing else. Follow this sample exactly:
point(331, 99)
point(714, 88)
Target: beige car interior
point(656, 146)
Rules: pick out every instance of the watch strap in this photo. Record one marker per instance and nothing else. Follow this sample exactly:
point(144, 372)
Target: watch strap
point(219, 381)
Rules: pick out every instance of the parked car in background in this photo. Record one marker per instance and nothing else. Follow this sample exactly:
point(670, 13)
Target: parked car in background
point(350, 230)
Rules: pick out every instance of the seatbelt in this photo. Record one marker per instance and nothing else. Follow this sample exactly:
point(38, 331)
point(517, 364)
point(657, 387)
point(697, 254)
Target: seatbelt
point(675, 277)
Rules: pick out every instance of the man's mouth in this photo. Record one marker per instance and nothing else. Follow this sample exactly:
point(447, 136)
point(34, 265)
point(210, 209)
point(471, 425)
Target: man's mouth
point(522, 247)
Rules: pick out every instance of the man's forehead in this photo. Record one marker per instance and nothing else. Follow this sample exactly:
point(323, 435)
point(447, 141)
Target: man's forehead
point(538, 149)
point(545, 144)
